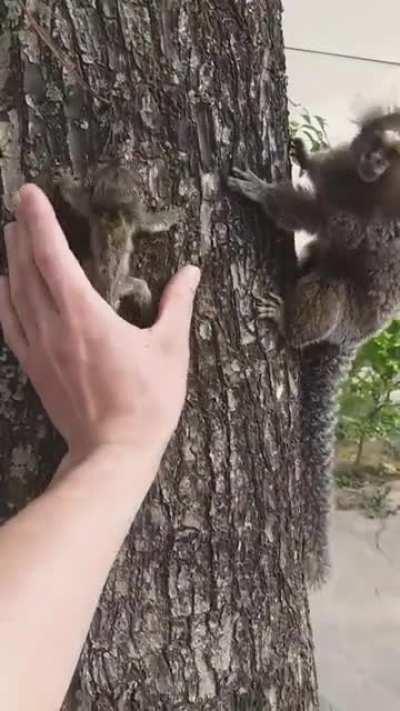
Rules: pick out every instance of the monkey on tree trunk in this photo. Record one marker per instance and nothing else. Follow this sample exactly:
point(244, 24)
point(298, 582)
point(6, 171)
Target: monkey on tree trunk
point(346, 292)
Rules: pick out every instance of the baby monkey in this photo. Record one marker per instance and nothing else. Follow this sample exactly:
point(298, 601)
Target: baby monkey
point(115, 215)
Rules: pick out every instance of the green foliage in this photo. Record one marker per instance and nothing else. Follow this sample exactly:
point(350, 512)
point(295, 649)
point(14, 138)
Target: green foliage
point(376, 503)
point(345, 479)
point(311, 128)
point(370, 400)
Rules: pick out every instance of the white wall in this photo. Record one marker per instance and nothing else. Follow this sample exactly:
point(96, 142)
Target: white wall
point(362, 27)
point(339, 88)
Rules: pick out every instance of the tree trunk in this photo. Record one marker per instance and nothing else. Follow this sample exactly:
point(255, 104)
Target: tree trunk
point(206, 606)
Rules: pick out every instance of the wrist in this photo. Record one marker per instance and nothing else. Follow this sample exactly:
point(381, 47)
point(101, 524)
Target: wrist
point(127, 458)
point(110, 470)
point(78, 454)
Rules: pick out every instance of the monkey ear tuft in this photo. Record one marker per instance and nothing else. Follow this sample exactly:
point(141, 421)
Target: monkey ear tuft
point(368, 114)
point(391, 139)
point(377, 116)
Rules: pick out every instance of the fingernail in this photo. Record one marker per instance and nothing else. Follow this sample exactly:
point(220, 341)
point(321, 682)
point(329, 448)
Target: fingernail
point(16, 200)
point(194, 275)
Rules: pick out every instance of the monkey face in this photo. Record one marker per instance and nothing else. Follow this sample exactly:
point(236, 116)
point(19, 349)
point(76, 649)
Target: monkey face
point(372, 165)
point(372, 157)
point(113, 190)
point(374, 152)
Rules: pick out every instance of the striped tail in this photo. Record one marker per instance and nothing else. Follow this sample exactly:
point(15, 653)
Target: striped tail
point(323, 367)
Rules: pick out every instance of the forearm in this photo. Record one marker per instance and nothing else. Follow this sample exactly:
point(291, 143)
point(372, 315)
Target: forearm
point(55, 557)
point(290, 208)
point(293, 208)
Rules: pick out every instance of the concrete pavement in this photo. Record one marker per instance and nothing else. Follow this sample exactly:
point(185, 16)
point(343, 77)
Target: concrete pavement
point(356, 616)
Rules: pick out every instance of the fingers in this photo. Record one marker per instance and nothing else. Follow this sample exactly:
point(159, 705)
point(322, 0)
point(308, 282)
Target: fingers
point(245, 182)
point(12, 330)
point(237, 185)
point(244, 187)
point(237, 180)
point(21, 305)
point(270, 307)
point(29, 293)
point(242, 182)
point(176, 306)
point(243, 174)
point(239, 173)
point(47, 247)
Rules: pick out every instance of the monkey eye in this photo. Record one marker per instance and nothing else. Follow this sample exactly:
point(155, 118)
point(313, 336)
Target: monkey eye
point(378, 158)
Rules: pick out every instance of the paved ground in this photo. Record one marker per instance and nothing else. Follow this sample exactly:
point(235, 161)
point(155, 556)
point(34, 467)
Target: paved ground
point(356, 617)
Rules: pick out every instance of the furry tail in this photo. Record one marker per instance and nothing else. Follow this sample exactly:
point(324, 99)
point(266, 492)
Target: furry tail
point(323, 367)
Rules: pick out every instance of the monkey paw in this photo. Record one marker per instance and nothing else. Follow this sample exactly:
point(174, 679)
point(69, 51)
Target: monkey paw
point(137, 288)
point(162, 221)
point(248, 184)
point(138, 305)
point(270, 307)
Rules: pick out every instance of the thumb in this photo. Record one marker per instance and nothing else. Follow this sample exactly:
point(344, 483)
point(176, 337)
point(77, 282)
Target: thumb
point(176, 305)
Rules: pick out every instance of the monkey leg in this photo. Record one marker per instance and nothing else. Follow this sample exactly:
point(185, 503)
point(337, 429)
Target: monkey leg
point(137, 302)
point(313, 311)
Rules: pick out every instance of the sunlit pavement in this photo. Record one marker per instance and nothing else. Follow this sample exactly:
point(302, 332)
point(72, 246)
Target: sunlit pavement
point(356, 616)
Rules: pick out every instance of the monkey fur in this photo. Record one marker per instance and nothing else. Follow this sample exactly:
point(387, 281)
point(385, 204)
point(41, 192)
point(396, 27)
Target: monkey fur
point(113, 215)
point(347, 294)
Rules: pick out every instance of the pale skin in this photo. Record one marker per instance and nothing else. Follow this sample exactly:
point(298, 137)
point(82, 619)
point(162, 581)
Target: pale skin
point(102, 383)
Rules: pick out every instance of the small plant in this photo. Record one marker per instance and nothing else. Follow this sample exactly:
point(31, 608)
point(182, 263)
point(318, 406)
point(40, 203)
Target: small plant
point(375, 502)
point(346, 479)
point(370, 405)
point(311, 128)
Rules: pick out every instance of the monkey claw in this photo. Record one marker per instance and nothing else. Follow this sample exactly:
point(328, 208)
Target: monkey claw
point(270, 307)
point(248, 184)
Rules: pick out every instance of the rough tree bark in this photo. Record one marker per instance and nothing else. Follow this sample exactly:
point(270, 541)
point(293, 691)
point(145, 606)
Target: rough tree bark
point(206, 606)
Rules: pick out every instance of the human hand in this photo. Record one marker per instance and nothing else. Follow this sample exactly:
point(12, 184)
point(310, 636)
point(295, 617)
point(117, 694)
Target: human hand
point(101, 380)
